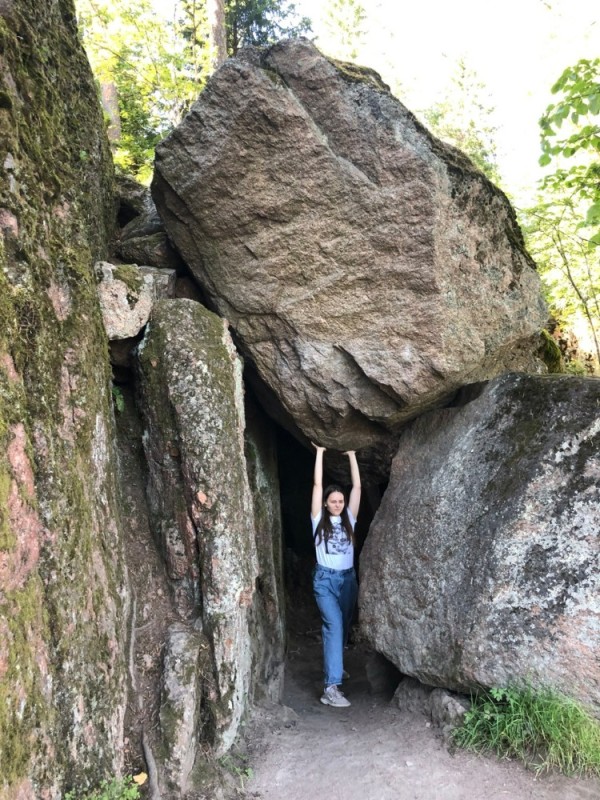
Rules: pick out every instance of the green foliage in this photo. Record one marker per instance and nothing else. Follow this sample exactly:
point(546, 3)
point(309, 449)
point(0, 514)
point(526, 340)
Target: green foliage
point(544, 729)
point(569, 130)
point(463, 119)
point(563, 228)
point(568, 266)
point(344, 22)
point(118, 399)
point(261, 22)
point(237, 765)
point(156, 70)
point(115, 789)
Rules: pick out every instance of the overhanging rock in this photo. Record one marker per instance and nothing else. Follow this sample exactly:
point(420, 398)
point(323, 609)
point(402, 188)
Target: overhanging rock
point(367, 269)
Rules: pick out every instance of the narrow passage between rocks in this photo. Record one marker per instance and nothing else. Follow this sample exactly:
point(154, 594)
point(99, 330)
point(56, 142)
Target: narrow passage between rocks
point(372, 750)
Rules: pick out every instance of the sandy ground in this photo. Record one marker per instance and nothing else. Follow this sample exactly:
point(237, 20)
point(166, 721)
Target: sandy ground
point(372, 750)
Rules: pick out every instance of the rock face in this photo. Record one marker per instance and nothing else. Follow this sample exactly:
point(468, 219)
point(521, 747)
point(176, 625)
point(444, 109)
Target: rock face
point(204, 518)
point(268, 609)
point(127, 293)
point(64, 602)
point(186, 660)
point(144, 241)
point(368, 269)
point(482, 564)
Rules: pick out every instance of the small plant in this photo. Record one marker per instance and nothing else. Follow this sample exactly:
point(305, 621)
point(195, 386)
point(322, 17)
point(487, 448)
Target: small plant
point(118, 399)
point(238, 767)
point(114, 789)
point(543, 728)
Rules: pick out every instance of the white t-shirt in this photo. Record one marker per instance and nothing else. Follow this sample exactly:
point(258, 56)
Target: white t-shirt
point(339, 553)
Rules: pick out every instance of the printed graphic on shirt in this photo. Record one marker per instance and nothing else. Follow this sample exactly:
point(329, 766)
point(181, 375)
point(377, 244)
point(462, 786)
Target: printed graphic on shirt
point(339, 543)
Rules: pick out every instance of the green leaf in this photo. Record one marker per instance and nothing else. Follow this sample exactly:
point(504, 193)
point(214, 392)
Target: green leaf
point(594, 241)
point(593, 213)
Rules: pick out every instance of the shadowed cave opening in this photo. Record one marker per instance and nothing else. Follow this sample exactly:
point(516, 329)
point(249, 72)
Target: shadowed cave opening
point(296, 464)
point(370, 671)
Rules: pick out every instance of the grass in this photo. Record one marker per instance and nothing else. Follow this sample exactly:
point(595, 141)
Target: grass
point(542, 728)
point(115, 789)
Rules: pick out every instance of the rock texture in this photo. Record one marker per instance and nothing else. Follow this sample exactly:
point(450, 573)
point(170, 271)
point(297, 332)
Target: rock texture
point(482, 563)
point(268, 609)
point(64, 601)
point(203, 515)
point(445, 709)
point(127, 293)
point(186, 659)
point(144, 241)
point(368, 269)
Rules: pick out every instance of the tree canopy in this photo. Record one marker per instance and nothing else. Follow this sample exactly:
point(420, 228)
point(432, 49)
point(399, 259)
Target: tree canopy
point(159, 65)
point(261, 22)
point(564, 226)
point(464, 118)
point(570, 131)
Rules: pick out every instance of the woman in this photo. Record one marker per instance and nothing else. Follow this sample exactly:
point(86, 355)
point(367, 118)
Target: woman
point(334, 580)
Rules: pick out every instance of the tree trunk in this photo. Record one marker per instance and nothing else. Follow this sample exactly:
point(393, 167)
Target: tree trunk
point(215, 10)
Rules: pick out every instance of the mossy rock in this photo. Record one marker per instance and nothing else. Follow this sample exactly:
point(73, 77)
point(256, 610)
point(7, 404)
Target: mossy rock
point(64, 685)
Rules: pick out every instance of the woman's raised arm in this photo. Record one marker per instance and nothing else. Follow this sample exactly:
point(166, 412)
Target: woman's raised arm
point(354, 500)
point(317, 492)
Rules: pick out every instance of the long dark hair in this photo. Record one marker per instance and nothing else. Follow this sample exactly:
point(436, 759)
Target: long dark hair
point(324, 529)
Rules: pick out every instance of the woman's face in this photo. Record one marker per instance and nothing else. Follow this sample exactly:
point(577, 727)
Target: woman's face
point(335, 503)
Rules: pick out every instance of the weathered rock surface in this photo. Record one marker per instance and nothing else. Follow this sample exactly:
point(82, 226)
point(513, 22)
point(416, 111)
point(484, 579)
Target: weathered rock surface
point(482, 563)
point(445, 709)
point(201, 504)
point(153, 250)
point(127, 293)
point(132, 199)
point(368, 269)
point(144, 241)
point(64, 600)
point(268, 609)
point(186, 658)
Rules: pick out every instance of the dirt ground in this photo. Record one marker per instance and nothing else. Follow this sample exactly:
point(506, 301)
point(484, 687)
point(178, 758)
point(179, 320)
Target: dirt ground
point(372, 750)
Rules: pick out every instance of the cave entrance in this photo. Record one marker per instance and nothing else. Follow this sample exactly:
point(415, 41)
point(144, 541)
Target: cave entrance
point(296, 464)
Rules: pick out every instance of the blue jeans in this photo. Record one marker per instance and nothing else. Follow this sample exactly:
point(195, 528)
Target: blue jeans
point(335, 592)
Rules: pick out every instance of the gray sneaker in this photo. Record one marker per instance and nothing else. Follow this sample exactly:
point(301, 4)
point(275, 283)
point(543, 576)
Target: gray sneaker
point(333, 697)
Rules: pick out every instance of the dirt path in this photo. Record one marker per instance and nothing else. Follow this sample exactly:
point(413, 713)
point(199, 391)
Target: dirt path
point(372, 750)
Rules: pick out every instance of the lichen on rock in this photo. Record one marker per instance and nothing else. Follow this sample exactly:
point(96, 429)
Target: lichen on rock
point(199, 496)
point(63, 596)
point(481, 566)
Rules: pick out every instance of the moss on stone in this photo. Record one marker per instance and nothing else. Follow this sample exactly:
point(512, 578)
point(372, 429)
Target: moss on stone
point(24, 709)
point(131, 276)
point(550, 353)
point(51, 330)
point(353, 73)
point(7, 535)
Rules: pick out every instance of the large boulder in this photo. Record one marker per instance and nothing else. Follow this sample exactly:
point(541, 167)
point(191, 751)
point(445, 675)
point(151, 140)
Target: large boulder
point(367, 268)
point(203, 515)
point(482, 563)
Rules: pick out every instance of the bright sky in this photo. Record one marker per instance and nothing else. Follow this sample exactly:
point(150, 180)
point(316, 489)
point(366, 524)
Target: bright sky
point(518, 48)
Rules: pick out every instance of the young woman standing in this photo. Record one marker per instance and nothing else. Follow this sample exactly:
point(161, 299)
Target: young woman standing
point(334, 580)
